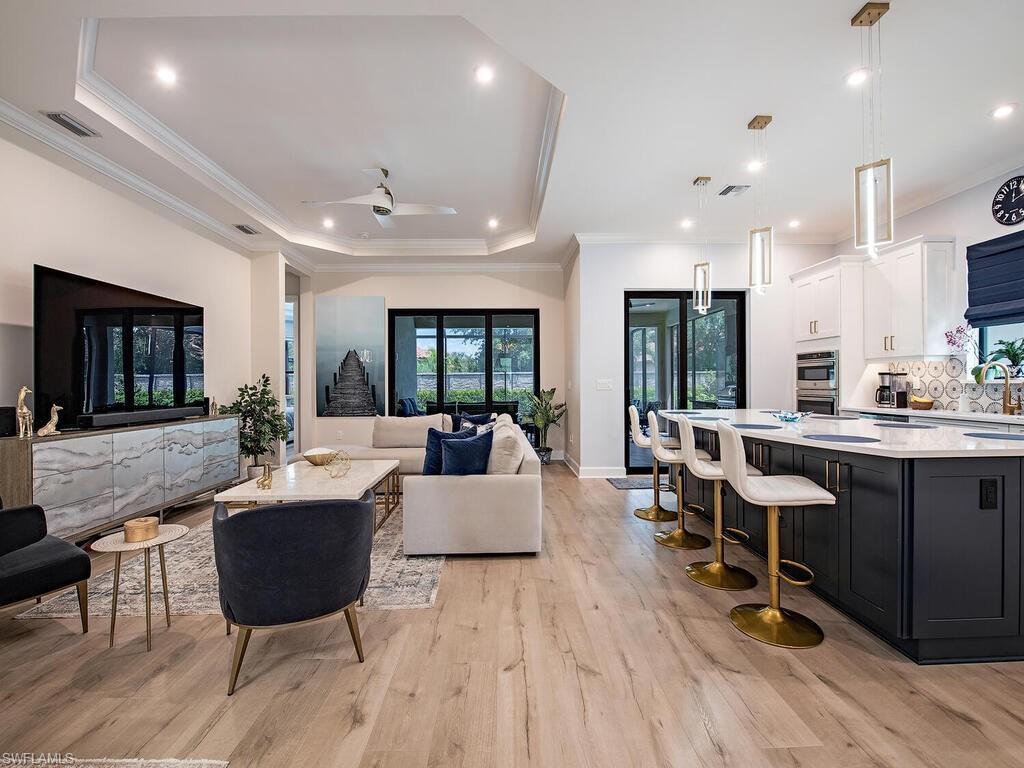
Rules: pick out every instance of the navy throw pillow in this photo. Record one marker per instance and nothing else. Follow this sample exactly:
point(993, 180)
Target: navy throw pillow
point(468, 456)
point(459, 420)
point(432, 459)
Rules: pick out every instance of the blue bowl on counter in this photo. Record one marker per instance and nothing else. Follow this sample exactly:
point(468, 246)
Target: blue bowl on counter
point(791, 417)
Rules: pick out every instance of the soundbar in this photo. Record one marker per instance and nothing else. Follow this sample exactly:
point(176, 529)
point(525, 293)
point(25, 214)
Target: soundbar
point(130, 418)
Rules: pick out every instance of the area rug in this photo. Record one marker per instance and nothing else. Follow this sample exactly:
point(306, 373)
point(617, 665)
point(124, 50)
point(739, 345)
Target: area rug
point(139, 762)
point(396, 581)
point(632, 483)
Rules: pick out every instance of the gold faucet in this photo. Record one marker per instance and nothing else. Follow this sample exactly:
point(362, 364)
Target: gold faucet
point(1009, 409)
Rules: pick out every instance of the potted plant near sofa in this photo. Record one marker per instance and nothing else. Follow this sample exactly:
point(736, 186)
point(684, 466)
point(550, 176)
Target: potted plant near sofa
point(261, 422)
point(545, 413)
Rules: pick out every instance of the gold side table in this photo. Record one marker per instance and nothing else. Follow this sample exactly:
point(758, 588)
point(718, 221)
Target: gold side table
point(115, 543)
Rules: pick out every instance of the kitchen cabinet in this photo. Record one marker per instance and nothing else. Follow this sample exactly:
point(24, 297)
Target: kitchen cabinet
point(816, 304)
point(816, 529)
point(909, 300)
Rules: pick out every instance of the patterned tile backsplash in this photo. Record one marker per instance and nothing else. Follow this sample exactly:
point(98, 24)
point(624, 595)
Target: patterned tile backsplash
point(943, 381)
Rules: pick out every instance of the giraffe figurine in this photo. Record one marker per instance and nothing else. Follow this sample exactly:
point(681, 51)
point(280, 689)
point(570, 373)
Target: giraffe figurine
point(50, 427)
point(24, 414)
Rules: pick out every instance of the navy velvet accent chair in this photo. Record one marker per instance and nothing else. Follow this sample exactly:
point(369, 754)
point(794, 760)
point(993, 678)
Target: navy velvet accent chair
point(286, 564)
point(33, 563)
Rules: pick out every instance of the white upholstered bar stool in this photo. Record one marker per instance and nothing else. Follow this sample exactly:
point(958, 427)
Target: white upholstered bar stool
point(716, 573)
point(654, 513)
point(680, 538)
point(771, 623)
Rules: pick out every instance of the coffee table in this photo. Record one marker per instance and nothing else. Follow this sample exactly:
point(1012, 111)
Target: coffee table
point(302, 481)
point(115, 543)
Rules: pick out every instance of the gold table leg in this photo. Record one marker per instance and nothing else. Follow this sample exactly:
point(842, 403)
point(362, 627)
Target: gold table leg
point(149, 620)
point(113, 604)
point(163, 576)
point(771, 623)
point(681, 538)
point(719, 574)
point(655, 513)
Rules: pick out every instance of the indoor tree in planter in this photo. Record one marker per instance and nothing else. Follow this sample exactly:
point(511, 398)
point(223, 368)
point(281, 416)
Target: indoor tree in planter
point(545, 413)
point(261, 422)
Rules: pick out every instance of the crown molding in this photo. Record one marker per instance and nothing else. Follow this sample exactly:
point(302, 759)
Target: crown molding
point(98, 94)
point(54, 139)
point(626, 238)
point(443, 268)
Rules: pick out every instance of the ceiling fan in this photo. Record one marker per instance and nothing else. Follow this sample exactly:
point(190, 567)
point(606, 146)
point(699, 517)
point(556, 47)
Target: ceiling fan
point(382, 202)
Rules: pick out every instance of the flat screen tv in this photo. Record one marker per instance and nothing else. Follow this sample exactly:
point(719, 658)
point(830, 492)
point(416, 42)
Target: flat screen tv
point(104, 349)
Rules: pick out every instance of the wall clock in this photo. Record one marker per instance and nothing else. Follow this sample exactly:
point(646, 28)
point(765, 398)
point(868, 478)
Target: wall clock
point(1008, 203)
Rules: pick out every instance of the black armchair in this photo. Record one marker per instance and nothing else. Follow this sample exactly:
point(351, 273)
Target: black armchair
point(33, 563)
point(292, 563)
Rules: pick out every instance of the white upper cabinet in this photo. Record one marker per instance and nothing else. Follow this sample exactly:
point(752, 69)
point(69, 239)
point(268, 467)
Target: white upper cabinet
point(816, 302)
point(908, 301)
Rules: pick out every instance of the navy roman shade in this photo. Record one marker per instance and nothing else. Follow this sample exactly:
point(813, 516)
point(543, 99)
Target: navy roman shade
point(995, 281)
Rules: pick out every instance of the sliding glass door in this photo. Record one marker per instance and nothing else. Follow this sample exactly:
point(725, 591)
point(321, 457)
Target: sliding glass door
point(677, 358)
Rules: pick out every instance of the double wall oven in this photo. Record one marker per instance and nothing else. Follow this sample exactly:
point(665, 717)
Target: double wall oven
point(817, 382)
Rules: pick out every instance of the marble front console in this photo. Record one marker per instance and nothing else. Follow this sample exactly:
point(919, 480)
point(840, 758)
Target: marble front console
point(89, 481)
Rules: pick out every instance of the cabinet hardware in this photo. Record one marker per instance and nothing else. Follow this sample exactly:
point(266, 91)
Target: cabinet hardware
point(838, 486)
point(810, 326)
point(815, 326)
point(885, 341)
point(892, 343)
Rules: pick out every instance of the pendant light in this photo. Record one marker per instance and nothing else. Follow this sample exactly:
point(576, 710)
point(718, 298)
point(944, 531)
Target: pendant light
point(702, 269)
point(873, 192)
point(761, 239)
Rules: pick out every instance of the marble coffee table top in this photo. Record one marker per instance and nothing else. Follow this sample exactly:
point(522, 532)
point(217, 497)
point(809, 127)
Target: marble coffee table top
point(302, 481)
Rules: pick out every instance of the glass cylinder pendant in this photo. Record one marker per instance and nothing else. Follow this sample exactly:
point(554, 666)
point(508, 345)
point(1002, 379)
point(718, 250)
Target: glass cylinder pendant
point(702, 287)
point(760, 245)
point(873, 203)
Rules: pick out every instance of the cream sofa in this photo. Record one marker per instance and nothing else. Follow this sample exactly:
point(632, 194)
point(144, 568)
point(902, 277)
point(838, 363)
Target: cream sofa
point(400, 437)
point(475, 514)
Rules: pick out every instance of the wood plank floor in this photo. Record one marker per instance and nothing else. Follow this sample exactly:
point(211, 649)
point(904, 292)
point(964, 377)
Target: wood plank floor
point(597, 652)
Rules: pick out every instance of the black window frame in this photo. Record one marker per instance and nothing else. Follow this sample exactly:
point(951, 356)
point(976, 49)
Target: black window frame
point(440, 314)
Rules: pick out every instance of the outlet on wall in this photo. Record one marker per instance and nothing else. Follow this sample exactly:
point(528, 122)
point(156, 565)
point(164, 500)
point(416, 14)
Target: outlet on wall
point(339, 435)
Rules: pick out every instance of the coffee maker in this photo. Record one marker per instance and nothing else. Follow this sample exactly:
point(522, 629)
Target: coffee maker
point(892, 390)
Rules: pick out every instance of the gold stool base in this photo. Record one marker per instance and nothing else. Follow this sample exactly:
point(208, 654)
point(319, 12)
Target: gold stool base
point(776, 626)
point(721, 576)
point(655, 514)
point(682, 539)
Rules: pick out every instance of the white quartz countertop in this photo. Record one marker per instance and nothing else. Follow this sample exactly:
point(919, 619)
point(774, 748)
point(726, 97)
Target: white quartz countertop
point(930, 442)
point(979, 416)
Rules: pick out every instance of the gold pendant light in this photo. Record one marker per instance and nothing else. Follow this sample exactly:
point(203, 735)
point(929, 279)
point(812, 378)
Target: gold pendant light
point(873, 189)
point(761, 239)
point(702, 269)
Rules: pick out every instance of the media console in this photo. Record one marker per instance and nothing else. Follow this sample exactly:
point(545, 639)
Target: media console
point(88, 482)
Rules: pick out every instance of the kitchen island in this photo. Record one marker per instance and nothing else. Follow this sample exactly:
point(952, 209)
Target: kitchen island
point(923, 546)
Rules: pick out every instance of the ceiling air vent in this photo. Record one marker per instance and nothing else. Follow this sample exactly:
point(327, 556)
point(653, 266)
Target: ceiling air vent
point(733, 190)
point(73, 124)
point(245, 229)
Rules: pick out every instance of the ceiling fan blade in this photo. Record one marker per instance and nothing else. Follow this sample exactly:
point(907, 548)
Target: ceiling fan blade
point(384, 221)
point(359, 200)
point(377, 173)
point(417, 209)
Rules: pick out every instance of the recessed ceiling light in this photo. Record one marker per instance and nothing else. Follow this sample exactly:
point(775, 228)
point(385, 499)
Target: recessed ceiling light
point(857, 77)
point(484, 74)
point(794, 223)
point(1003, 111)
point(754, 166)
point(686, 223)
point(492, 223)
point(328, 223)
point(166, 75)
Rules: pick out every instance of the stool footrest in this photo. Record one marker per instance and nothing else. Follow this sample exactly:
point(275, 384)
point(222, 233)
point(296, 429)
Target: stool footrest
point(693, 509)
point(796, 581)
point(735, 536)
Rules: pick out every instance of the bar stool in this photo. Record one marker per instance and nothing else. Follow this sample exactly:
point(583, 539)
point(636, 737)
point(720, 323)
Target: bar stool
point(680, 538)
point(771, 623)
point(654, 513)
point(717, 573)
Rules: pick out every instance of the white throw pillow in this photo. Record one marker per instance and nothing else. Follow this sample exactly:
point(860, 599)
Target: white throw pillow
point(404, 431)
point(506, 451)
point(505, 418)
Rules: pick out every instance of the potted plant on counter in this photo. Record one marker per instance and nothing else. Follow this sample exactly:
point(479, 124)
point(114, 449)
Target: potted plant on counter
point(545, 413)
point(1010, 351)
point(261, 422)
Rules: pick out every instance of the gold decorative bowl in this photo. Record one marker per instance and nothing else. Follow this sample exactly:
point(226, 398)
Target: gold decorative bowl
point(320, 457)
point(919, 405)
point(141, 529)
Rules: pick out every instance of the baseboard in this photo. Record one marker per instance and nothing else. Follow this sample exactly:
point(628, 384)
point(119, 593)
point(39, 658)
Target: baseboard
point(572, 464)
point(601, 472)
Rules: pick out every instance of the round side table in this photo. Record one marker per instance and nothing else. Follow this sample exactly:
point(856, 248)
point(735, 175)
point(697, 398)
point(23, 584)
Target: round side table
point(115, 543)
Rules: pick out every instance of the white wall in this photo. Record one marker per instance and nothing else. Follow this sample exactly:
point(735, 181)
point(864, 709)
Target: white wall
point(524, 289)
point(53, 217)
point(571, 421)
point(607, 270)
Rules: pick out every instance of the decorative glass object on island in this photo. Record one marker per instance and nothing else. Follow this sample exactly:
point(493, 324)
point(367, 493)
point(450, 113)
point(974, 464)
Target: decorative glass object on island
point(791, 417)
point(545, 413)
point(261, 422)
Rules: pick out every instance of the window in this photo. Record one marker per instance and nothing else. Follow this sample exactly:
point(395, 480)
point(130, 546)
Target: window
point(463, 360)
point(989, 338)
